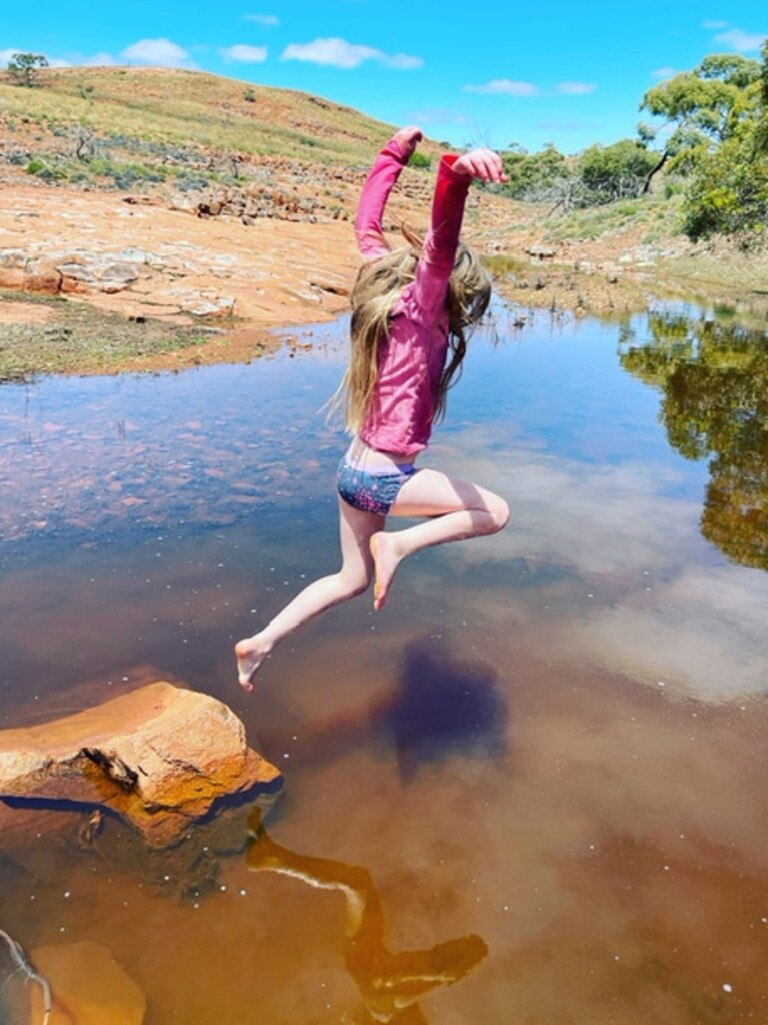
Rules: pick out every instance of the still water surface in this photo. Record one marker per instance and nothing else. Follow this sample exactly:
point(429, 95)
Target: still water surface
point(538, 774)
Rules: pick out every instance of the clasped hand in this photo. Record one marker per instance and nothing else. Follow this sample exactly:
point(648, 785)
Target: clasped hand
point(478, 163)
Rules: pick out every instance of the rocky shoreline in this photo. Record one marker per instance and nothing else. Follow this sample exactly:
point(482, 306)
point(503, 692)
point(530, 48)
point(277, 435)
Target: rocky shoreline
point(173, 281)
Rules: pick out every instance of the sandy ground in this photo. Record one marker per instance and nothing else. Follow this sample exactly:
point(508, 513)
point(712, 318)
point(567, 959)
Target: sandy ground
point(20, 312)
point(152, 258)
point(239, 279)
point(270, 269)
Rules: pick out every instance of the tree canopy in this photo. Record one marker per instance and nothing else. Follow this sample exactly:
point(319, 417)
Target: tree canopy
point(25, 67)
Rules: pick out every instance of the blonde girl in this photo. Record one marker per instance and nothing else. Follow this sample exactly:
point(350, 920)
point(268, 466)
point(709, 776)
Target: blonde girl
point(412, 310)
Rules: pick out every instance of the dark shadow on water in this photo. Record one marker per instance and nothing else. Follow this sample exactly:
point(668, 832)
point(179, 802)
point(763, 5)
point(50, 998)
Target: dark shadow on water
point(444, 707)
point(440, 707)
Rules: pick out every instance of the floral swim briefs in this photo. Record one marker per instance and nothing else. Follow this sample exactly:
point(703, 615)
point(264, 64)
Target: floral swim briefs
point(371, 488)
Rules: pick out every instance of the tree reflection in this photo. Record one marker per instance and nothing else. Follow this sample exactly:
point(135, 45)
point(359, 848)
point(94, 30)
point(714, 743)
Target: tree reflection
point(391, 984)
point(714, 380)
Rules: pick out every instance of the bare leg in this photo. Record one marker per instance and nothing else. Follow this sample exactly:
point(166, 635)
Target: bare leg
point(458, 510)
point(355, 530)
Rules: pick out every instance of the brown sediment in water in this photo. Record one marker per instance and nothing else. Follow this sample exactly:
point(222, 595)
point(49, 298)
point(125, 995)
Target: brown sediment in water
point(514, 770)
point(610, 851)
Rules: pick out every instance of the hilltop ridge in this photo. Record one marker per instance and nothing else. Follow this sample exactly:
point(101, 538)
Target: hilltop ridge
point(176, 107)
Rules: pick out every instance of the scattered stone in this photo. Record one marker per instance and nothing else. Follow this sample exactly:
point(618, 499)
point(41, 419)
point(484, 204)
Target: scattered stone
point(203, 303)
point(330, 286)
point(13, 258)
point(159, 757)
point(90, 828)
point(541, 252)
point(44, 279)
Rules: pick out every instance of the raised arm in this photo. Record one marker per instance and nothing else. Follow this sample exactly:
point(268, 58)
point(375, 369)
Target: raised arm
point(454, 176)
point(378, 185)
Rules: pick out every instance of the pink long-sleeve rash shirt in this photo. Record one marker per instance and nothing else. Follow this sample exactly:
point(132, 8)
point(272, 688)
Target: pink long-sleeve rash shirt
point(412, 356)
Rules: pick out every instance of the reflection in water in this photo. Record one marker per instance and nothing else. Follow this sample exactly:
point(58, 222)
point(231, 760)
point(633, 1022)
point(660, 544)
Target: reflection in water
point(714, 379)
point(561, 735)
point(390, 984)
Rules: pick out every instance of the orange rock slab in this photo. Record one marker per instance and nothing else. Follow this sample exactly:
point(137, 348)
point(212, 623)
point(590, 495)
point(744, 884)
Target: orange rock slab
point(159, 757)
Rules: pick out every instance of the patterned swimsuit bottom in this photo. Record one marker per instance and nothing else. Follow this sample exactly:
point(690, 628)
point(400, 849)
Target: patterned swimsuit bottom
point(371, 487)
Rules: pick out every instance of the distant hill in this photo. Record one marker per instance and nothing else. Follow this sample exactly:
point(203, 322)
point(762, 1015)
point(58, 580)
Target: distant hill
point(149, 109)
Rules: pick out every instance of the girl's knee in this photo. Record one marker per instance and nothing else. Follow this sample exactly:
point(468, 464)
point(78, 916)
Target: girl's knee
point(355, 584)
point(499, 511)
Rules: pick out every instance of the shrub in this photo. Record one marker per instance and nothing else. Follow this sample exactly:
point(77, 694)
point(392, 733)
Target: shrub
point(420, 160)
point(728, 193)
point(42, 169)
point(614, 172)
point(536, 177)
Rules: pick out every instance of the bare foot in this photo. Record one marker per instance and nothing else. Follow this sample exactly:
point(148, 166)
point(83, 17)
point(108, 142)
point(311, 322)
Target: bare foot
point(250, 653)
point(386, 560)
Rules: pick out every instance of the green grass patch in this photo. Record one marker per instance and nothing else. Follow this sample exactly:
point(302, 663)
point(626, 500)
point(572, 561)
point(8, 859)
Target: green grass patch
point(615, 218)
point(78, 339)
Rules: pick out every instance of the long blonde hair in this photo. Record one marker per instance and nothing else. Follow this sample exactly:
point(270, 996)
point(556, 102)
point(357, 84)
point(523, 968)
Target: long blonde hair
point(376, 291)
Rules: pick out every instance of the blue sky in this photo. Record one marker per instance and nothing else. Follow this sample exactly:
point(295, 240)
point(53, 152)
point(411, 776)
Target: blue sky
point(572, 73)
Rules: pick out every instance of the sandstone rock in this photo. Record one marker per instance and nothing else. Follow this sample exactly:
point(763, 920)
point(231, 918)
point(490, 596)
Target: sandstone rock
point(218, 307)
point(203, 303)
point(88, 987)
point(11, 277)
point(334, 287)
point(105, 273)
point(44, 278)
point(13, 258)
point(159, 757)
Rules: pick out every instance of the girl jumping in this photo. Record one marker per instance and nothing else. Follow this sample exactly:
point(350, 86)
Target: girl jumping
point(412, 311)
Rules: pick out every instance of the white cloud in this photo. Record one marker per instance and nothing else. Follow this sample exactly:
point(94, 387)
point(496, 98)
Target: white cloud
point(161, 52)
point(505, 87)
point(263, 19)
point(99, 60)
point(401, 61)
point(741, 40)
point(338, 53)
point(576, 88)
point(664, 72)
point(244, 53)
point(714, 24)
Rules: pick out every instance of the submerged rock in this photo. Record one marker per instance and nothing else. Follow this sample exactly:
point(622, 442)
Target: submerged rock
point(159, 757)
point(88, 987)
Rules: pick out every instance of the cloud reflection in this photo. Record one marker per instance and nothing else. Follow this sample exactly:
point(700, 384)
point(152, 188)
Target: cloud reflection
point(636, 587)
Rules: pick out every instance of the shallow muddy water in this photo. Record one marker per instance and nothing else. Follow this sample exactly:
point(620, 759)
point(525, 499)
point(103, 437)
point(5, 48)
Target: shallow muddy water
point(530, 790)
